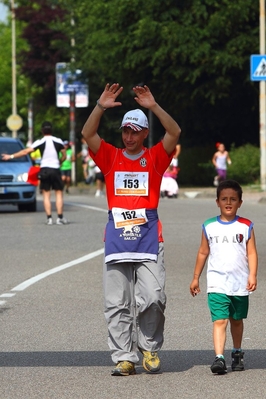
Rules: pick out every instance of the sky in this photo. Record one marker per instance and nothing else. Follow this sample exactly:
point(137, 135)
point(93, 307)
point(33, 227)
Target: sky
point(3, 12)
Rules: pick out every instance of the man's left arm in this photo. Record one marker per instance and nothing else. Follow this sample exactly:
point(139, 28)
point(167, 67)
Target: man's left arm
point(145, 98)
point(172, 129)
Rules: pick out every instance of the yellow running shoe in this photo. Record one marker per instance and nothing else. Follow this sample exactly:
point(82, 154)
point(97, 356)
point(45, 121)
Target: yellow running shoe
point(124, 368)
point(151, 361)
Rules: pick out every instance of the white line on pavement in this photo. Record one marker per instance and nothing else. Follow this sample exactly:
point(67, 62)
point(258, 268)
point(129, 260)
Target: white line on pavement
point(94, 208)
point(27, 283)
point(39, 277)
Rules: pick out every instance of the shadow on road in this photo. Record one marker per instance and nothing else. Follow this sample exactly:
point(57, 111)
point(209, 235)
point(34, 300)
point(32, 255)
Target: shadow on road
point(172, 361)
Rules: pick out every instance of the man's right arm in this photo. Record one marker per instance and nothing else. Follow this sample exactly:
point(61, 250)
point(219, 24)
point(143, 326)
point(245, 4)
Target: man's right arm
point(90, 128)
point(21, 153)
point(106, 100)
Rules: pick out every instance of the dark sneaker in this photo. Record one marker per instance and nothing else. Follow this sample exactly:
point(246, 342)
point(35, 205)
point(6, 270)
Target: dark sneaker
point(219, 366)
point(151, 361)
point(237, 361)
point(124, 368)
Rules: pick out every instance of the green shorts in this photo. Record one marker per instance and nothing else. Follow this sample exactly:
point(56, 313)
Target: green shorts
point(224, 306)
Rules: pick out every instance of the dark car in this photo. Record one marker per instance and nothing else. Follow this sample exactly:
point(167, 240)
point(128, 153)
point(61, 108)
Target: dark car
point(14, 188)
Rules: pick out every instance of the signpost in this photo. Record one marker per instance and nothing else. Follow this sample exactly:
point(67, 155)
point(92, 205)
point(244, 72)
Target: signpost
point(67, 82)
point(258, 67)
point(258, 73)
point(72, 135)
point(72, 93)
point(14, 122)
point(262, 103)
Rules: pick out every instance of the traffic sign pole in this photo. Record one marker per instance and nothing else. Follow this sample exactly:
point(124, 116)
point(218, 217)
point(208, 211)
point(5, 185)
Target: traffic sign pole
point(262, 103)
point(14, 122)
point(14, 83)
point(72, 134)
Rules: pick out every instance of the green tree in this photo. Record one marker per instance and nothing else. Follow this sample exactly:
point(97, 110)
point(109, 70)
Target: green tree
point(6, 77)
point(245, 166)
point(194, 54)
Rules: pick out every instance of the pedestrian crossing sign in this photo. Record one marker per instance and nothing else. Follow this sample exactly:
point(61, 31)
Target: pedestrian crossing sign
point(258, 67)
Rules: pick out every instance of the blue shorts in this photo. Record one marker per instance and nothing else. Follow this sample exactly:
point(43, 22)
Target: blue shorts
point(224, 306)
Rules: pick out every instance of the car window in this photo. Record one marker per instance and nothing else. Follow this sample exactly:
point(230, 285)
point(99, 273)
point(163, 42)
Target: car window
point(11, 148)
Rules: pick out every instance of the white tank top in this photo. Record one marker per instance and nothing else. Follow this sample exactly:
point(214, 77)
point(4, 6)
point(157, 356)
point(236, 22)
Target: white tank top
point(221, 162)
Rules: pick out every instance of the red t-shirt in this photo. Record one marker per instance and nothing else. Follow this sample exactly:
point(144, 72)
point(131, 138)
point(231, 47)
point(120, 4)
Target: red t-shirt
point(132, 184)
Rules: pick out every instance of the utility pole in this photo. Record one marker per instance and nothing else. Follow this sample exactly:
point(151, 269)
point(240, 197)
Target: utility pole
point(150, 137)
point(72, 109)
point(262, 103)
point(14, 121)
point(30, 121)
point(14, 79)
point(72, 134)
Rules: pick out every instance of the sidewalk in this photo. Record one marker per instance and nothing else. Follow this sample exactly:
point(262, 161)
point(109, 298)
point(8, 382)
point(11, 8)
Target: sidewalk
point(249, 193)
point(253, 194)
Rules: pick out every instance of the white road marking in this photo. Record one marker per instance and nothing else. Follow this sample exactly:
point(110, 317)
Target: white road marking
point(35, 279)
point(41, 276)
point(94, 208)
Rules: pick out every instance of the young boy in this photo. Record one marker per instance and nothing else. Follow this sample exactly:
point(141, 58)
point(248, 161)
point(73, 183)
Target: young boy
point(229, 242)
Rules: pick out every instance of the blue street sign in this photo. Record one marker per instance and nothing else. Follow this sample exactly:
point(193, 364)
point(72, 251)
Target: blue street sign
point(67, 82)
point(258, 67)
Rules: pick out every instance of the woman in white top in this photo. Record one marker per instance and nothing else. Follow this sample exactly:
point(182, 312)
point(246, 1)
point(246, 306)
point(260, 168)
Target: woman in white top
point(220, 160)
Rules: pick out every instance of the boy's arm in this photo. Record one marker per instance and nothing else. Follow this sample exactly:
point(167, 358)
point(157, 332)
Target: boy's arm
point(203, 253)
point(252, 262)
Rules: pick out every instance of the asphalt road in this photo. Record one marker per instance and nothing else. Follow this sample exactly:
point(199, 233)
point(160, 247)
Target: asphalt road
point(53, 334)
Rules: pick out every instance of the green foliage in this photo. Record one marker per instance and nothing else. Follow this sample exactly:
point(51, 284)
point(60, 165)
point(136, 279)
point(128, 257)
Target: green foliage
point(194, 55)
point(46, 42)
point(6, 77)
point(196, 168)
point(245, 167)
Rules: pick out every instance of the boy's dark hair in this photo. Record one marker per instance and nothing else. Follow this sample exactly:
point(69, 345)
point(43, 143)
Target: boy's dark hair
point(234, 185)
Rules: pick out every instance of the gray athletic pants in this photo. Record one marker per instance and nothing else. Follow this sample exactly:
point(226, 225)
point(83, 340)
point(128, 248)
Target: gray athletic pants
point(134, 306)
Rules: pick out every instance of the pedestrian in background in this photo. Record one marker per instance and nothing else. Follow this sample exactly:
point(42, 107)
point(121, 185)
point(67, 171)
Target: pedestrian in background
point(91, 171)
point(84, 155)
point(134, 272)
point(66, 166)
point(99, 180)
point(228, 241)
point(220, 160)
point(176, 155)
point(50, 176)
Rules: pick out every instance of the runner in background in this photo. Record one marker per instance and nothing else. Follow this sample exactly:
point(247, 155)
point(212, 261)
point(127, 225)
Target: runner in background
point(66, 166)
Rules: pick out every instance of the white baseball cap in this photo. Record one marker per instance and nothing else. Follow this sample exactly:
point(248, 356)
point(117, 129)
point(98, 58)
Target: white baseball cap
point(136, 119)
